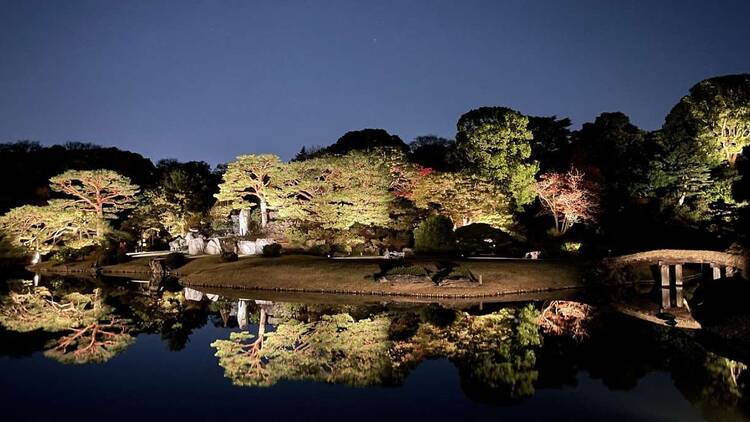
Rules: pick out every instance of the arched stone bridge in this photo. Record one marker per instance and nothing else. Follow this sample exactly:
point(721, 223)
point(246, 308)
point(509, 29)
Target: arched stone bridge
point(670, 262)
point(715, 259)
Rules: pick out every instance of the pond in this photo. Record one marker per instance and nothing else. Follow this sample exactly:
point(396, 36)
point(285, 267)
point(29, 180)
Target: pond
point(88, 349)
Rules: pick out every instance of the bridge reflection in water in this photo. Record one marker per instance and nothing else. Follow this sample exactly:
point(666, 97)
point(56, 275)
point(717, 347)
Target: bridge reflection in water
point(669, 304)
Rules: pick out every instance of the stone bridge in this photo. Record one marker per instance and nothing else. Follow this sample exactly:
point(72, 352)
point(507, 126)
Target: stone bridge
point(670, 262)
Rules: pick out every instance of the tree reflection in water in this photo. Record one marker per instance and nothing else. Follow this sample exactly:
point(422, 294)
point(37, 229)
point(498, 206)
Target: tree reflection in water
point(500, 352)
point(336, 349)
point(95, 334)
point(495, 351)
point(91, 322)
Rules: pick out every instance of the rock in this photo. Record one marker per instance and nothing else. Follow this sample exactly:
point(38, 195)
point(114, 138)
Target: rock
point(192, 294)
point(260, 244)
point(177, 245)
point(196, 246)
point(394, 255)
point(213, 247)
point(246, 247)
point(532, 255)
point(244, 222)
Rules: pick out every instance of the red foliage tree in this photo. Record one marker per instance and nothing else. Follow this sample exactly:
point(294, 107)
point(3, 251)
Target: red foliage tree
point(569, 198)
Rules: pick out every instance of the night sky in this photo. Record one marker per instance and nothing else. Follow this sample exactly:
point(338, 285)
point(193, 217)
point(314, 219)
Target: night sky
point(210, 80)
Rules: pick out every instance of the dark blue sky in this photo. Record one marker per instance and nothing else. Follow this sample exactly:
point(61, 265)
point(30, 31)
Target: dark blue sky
point(210, 80)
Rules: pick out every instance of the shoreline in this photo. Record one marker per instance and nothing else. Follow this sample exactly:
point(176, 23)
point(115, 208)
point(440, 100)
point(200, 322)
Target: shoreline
point(303, 274)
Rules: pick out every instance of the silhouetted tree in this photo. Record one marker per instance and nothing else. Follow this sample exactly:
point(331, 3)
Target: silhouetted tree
point(433, 152)
point(358, 140)
point(550, 145)
point(30, 165)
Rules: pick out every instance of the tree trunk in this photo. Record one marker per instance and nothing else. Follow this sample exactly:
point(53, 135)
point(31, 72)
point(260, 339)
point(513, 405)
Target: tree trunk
point(99, 225)
point(262, 322)
point(263, 213)
point(732, 158)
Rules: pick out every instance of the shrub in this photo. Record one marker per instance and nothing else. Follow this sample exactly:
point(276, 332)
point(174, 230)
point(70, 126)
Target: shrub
point(459, 274)
point(571, 247)
point(435, 236)
point(407, 270)
point(109, 253)
point(64, 255)
point(272, 250)
point(175, 260)
point(480, 238)
point(358, 249)
point(321, 250)
point(340, 250)
point(67, 254)
point(229, 256)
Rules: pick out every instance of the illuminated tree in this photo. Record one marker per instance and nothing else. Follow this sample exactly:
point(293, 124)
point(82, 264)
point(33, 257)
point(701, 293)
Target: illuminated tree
point(337, 192)
point(568, 198)
point(463, 197)
point(103, 193)
point(250, 177)
point(496, 143)
point(156, 212)
point(41, 228)
point(693, 170)
point(715, 114)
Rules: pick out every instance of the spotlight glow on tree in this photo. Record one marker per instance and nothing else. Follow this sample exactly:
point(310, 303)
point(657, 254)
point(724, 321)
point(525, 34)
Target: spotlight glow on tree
point(496, 141)
point(568, 198)
point(103, 193)
point(250, 176)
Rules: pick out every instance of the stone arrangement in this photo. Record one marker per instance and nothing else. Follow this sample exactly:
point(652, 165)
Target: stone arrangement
point(197, 244)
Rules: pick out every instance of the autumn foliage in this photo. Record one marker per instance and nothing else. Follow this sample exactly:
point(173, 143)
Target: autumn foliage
point(569, 198)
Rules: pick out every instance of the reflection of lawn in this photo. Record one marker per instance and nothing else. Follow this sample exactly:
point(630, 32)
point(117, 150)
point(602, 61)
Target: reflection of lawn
point(308, 273)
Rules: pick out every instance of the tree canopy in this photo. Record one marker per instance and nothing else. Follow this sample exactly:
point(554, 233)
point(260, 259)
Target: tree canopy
point(692, 173)
point(496, 143)
point(248, 180)
point(464, 197)
point(357, 140)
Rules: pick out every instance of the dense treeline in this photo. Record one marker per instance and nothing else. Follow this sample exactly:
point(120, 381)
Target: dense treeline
point(507, 181)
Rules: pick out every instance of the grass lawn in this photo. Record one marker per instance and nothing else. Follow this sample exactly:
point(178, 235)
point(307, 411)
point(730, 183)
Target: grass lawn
point(303, 273)
point(314, 274)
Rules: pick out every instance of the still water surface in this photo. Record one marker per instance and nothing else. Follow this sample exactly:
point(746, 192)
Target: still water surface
point(173, 353)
